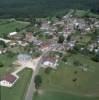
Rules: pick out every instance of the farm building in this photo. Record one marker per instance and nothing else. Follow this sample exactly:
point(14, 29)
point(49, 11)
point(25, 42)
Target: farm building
point(8, 80)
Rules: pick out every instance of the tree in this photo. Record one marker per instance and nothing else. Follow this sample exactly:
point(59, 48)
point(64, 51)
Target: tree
point(61, 39)
point(48, 70)
point(1, 64)
point(32, 20)
point(76, 63)
point(3, 35)
point(69, 38)
point(37, 81)
point(17, 30)
point(2, 44)
point(64, 58)
point(96, 58)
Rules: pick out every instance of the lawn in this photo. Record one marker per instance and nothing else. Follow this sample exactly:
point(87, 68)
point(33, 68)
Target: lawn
point(6, 27)
point(17, 92)
point(59, 84)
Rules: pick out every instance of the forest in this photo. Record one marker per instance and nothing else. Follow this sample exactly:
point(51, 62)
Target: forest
point(39, 8)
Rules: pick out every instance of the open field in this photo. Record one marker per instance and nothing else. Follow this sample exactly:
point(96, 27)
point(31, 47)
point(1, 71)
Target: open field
point(59, 84)
point(18, 91)
point(58, 95)
point(7, 61)
point(10, 26)
point(82, 13)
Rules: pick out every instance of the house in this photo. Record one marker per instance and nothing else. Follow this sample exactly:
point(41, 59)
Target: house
point(15, 36)
point(2, 50)
point(8, 80)
point(49, 62)
point(29, 37)
point(12, 33)
point(45, 25)
point(44, 46)
point(22, 43)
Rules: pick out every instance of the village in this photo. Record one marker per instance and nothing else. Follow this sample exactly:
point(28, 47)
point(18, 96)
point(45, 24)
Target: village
point(50, 42)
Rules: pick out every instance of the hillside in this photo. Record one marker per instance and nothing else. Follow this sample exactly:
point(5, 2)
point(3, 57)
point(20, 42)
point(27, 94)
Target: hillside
point(43, 7)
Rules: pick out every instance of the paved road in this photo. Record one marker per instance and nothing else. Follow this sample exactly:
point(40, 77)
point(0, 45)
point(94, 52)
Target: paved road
point(31, 88)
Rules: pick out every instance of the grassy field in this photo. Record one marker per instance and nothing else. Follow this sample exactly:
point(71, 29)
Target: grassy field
point(52, 95)
point(59, 84)
point(82, 13)
point(18, 91)
point(7, 61)
point(6, 27)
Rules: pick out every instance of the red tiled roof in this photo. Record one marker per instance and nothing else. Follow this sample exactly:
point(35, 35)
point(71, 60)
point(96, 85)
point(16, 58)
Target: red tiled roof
point(10, 78)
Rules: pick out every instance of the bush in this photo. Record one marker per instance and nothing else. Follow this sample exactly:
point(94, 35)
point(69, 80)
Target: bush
point(37, 81)
point(1, 64)
point(76, 63)
point(48, 70)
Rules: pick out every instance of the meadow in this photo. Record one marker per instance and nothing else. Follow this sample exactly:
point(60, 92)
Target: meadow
point(71, 81)
point(17, 92)
point(7, 26)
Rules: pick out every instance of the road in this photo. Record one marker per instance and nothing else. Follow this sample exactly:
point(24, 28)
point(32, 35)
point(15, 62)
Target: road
point(31, 88)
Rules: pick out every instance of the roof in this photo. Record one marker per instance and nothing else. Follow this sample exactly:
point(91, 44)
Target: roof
point(12, 33)
point(45, 45)
point(49, 59)
point(10, 78)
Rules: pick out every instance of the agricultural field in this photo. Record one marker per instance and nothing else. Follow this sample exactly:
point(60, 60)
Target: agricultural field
point(7, 26)
point(18, 91)
point(75, 79)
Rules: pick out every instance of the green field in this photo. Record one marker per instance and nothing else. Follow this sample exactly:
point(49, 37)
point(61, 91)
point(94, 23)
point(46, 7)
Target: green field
point(18, 91)
point(7, 26)
point(82, 13)
point(53, 95)
point(7, 61)
point(59, 84)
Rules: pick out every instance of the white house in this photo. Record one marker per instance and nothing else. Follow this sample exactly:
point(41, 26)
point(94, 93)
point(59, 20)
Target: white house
point(12, 33)
point(8, 80)
point(49, 62)
point(0, 51)
point(3, 51)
